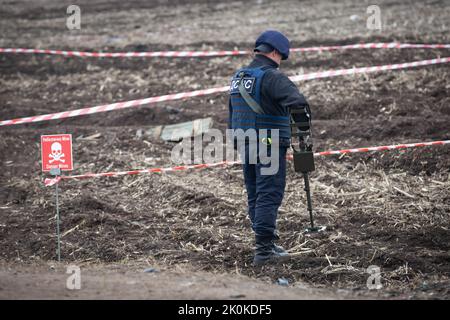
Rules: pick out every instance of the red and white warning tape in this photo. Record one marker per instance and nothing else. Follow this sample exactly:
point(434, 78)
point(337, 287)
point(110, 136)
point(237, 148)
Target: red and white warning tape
point(113, 106)
point(382, 45)
point(204, 92)
point(334, 73)
point(171, 54)
point(383, 148)
point(50, 182)
point(221, 53)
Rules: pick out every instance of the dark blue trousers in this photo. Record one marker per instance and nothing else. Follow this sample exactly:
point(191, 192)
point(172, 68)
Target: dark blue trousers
point(265, 193)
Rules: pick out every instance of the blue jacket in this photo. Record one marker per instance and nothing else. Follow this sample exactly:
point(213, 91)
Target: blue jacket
point(274, 92)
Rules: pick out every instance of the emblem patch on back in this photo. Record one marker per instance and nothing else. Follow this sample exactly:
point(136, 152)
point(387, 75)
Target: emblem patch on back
point(249, 84)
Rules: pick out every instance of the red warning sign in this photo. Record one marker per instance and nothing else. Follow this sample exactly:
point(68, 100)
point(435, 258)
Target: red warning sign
point(57, 152)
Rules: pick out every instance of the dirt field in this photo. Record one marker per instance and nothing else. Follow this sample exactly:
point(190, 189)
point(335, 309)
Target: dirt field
point(388, 209)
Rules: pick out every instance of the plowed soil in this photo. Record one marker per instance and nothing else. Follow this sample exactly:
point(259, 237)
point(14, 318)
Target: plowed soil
point(389, 209)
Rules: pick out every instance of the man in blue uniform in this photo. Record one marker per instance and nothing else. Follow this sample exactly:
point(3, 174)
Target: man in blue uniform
point(261, 97)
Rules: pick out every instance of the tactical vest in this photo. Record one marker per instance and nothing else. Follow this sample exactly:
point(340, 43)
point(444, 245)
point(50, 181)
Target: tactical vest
point(243, 116)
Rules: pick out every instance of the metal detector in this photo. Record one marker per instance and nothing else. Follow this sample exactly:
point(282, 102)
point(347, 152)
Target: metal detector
point(304, 159)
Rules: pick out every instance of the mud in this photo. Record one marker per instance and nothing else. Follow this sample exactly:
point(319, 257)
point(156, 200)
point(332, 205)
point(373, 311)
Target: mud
point(198, 218)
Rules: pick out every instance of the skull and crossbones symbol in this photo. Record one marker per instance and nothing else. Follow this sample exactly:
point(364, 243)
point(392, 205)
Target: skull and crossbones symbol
point(56, 154)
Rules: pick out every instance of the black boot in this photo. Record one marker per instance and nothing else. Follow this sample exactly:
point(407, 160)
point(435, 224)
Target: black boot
point(278, 249)
point(266, 253)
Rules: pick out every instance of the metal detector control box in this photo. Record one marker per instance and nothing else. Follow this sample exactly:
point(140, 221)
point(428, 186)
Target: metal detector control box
point(304, 161)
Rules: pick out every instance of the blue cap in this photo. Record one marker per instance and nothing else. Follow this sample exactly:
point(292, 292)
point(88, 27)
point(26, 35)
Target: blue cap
point(271, 39)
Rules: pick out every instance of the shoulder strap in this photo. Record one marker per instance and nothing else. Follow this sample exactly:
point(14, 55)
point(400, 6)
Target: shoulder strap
point(247, 97)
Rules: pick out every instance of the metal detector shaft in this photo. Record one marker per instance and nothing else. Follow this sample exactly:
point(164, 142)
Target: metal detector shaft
point(308, 198)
